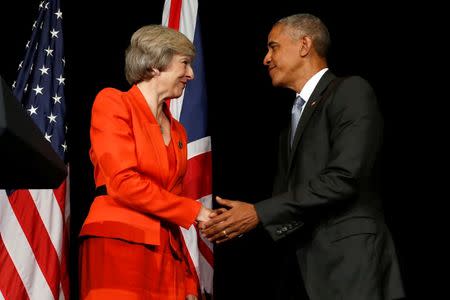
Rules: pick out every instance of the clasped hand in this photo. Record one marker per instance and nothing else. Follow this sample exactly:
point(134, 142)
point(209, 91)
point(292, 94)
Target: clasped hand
point(223, 224)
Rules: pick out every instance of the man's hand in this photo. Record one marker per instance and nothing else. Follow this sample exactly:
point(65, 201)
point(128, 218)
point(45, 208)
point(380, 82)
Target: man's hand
point(212, 214)
point(240, 218)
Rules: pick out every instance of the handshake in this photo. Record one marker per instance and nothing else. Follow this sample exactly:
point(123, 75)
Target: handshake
point(227, 223)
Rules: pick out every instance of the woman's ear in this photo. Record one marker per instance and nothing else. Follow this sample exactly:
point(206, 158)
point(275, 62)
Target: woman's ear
point(155, 72)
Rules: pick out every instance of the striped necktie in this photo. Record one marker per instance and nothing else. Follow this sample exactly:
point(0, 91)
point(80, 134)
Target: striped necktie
point(295, 115)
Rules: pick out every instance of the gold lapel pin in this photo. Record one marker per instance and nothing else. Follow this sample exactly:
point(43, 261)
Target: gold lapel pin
point(314, 103)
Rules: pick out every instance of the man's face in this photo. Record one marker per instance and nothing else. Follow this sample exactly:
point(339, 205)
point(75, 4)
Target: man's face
point(283, 57)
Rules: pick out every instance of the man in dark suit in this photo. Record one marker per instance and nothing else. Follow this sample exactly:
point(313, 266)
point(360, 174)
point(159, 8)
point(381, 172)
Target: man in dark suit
point(325, 215)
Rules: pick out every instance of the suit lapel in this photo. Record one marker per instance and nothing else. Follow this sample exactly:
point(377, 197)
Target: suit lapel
point(311, 106)
point(151, 126)
point(179, 147)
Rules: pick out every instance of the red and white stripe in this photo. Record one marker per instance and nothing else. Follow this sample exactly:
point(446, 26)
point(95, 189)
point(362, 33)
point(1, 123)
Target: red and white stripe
point(182, 15)
point(33, 244)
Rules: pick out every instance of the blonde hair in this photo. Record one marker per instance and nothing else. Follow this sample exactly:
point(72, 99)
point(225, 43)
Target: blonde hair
point(153, 47)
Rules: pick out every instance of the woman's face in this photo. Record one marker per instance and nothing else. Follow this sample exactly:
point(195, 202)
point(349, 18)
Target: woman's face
point(176, 76)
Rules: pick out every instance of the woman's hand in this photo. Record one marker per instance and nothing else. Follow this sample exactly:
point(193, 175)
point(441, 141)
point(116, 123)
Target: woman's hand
point(191, 297)
point(203, 215)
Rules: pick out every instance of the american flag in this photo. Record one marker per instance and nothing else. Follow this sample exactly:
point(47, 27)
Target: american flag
point(34, 223)
point(191, 110)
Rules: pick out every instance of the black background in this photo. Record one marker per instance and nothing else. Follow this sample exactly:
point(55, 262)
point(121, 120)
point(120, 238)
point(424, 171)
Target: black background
point(385, 45)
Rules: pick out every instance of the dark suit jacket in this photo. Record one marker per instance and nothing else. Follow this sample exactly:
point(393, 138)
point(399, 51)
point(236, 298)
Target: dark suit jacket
point(324, 201)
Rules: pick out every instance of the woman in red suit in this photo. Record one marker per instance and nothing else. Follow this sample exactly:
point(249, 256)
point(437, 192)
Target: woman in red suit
point(131, 242)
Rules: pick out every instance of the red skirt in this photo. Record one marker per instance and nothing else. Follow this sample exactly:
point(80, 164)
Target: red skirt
point(117, 269)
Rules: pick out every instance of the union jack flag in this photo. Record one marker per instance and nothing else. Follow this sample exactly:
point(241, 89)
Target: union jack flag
point(191, 110)
point(34, 223)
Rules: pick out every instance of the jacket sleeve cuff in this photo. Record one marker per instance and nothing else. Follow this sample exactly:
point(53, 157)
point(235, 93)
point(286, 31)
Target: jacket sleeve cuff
point(192, 210)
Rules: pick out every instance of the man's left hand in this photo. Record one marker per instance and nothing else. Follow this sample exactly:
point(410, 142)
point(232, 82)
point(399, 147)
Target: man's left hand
point(240, 218)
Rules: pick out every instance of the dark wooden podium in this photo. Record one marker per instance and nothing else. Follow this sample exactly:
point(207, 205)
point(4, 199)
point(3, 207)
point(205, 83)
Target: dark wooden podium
point(27, 160)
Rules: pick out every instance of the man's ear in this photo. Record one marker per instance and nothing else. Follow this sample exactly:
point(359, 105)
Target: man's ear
point(305, 44)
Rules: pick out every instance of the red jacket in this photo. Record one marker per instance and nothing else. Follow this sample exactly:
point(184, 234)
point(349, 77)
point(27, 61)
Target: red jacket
point(129, 157)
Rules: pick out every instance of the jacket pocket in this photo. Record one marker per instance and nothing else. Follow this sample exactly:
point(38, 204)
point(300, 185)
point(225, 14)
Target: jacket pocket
point(351, 227)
